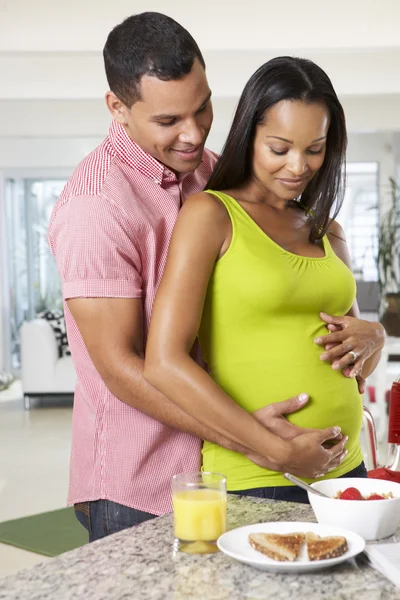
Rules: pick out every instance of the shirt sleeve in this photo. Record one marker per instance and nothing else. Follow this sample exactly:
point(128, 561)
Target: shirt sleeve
point(97, 250)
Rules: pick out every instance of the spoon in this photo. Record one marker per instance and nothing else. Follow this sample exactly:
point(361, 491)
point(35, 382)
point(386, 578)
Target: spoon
point(303, 485)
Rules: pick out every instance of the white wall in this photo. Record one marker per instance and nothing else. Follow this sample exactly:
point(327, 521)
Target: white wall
point(51, 75)
point(52, 49)
point(82, 25)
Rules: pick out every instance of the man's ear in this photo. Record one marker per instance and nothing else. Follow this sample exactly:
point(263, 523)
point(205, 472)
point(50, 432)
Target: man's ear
point(116, 107)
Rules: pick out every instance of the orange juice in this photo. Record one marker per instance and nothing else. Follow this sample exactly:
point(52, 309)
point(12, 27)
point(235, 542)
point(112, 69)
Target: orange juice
point(199, 515)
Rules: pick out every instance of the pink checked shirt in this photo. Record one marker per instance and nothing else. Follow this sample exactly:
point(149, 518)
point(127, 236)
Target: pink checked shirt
point(109, 233)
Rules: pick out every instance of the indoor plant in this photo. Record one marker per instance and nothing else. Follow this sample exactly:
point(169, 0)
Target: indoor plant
point(388, 263)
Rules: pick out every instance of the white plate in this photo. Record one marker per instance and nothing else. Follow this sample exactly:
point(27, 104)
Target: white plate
point(235, 544)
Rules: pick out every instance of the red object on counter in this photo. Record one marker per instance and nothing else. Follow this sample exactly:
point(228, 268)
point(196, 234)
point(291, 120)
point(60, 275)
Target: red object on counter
point(389, 474)
point(383, 473)
point(394, 414)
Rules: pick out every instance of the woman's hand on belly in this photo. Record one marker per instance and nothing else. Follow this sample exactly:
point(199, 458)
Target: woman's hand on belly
point(350, 343)
point(273, 417)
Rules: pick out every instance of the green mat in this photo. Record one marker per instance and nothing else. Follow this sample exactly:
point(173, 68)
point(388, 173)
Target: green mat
point(49, 533)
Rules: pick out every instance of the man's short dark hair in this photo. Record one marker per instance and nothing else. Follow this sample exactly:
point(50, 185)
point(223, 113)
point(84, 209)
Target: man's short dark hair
point(149, 43)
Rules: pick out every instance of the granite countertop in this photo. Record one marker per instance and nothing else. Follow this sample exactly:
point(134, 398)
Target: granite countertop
point(138, 564)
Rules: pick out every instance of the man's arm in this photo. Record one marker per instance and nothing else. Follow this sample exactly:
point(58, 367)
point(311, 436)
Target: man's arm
point(112, 327)
point(112, 330)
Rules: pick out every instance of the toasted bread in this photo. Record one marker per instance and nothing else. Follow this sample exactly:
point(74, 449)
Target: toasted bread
point(283, 547)
point(320, 548)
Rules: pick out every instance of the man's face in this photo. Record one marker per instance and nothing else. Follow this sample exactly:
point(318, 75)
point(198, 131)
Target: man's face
point(172, 119)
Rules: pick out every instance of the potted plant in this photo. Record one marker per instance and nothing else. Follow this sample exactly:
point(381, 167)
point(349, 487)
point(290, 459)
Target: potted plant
point(388, 263)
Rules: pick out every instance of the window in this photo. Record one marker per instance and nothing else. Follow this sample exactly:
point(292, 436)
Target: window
point(359, 217)
point(34, 282)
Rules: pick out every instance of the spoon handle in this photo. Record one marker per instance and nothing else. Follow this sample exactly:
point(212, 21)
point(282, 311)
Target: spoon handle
point(303, 485)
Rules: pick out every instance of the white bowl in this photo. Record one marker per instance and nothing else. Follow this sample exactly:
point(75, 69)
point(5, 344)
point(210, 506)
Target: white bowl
point(372, 519)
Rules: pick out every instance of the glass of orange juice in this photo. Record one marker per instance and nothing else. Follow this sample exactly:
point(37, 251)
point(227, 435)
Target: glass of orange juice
point(199, 503)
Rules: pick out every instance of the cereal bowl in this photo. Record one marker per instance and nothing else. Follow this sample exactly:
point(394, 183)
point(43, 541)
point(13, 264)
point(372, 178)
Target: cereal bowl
point(372, 519)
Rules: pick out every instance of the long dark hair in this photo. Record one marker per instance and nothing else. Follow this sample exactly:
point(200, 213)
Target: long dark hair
point(288, 78)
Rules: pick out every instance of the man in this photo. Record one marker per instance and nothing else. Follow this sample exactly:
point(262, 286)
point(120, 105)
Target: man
point(109, 233)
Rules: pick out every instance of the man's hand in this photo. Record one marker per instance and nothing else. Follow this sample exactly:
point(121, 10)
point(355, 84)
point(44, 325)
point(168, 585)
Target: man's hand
point(308, 456)
point(274, 419)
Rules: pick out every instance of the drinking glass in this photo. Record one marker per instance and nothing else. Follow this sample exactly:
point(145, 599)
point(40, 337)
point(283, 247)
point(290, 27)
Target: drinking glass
point(199, 503)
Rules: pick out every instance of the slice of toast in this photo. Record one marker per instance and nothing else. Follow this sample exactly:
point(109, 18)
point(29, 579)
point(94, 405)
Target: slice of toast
point(283, 547)
point(320, 548)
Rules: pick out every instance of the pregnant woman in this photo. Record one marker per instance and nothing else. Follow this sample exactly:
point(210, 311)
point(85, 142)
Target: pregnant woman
point(253, 263)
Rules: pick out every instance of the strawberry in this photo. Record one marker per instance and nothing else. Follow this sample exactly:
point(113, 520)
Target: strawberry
point(350, 493)
point(375, 497)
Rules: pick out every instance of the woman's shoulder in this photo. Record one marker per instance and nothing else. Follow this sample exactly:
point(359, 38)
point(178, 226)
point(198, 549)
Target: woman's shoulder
point(338, 242)
point(205, 204)
point(202, 221)
point(336, 231)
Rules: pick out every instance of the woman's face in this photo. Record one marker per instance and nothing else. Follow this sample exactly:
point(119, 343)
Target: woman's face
point(289, 147)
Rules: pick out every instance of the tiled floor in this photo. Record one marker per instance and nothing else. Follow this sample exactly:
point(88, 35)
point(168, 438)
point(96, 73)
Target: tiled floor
point(34, 456)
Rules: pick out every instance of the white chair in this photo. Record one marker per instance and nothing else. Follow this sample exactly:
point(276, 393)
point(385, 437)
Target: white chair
point(43, 371)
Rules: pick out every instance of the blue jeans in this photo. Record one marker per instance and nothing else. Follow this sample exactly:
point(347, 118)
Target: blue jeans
point(293, 493)
point(104, 517)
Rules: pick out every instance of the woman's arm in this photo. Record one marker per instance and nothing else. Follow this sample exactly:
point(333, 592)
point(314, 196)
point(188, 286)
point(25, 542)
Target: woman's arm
point(365, 338)
point(201, 234)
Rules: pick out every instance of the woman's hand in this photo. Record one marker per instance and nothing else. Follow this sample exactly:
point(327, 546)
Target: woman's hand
point(346, 371)
point(350, 343)
point(273, 417)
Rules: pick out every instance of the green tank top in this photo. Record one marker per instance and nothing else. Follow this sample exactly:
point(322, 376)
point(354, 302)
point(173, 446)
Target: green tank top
point(260, 317)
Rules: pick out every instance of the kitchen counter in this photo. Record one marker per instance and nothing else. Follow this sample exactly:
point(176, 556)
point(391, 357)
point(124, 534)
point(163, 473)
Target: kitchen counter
point(138, 563)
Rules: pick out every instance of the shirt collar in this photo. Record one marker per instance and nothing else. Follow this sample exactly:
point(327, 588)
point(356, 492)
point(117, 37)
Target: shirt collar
point(134, 156)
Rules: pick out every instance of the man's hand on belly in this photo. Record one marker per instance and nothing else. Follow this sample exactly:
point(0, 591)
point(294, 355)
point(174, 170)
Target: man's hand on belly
point(309, 456)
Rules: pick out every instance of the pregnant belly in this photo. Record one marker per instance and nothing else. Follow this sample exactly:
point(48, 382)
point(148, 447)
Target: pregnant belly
point(335, 405)
point(333, 398)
